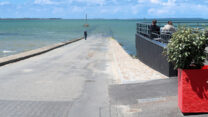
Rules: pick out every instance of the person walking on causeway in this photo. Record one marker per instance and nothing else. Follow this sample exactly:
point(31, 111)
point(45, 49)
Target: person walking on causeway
point(85, 35)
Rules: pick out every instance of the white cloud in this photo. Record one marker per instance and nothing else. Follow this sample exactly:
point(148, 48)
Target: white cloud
point(155, 1)
point(165, 3)
point(113, 8)
point(167, 8)
point(4, 3)
point(100, 2)
point(159, 11)
point(77, 9)
point(110, 10)
point(45, 2)
point(169, 3)
point(173, 9)
point(158, 2)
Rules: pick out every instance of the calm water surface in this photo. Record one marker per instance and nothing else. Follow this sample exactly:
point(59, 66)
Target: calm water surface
point(22, 35)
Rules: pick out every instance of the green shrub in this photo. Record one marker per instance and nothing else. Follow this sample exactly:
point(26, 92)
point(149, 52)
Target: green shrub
point(186, 49)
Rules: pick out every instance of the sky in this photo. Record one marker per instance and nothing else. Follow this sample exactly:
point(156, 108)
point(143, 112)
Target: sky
point(109, 9)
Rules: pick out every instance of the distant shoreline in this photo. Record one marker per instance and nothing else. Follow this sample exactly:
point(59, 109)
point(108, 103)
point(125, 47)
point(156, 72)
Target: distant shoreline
point(103, 19)
point(30, 18)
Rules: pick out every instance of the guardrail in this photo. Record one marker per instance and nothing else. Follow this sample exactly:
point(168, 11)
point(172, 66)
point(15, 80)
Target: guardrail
point(144, 30)
point(196, 24)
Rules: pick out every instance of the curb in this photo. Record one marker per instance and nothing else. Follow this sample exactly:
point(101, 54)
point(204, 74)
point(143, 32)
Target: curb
point(32, 53)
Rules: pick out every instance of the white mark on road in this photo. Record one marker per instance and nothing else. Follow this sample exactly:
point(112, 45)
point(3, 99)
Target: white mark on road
point(149, 100)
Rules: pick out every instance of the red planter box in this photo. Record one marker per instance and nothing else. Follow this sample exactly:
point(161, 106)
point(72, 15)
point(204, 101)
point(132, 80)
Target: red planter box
point(193, 90)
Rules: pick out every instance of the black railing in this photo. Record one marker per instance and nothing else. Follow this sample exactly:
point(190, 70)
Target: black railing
point(195, 24)
point(144, 30)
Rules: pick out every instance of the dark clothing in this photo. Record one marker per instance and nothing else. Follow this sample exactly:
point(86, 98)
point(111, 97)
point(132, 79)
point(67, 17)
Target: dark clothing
point(85, 35)
point(154, 29)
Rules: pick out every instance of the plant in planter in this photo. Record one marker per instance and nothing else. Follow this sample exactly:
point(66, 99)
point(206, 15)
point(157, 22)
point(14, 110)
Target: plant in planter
point(186, 51)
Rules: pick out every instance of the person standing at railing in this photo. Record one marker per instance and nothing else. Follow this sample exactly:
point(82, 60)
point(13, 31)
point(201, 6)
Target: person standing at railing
point(154, 29)
point(169, 28)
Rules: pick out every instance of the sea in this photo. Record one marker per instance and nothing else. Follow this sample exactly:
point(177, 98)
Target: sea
point(18, 36)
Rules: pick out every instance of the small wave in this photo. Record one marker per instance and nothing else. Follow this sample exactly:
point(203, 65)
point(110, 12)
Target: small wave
point(8, 51)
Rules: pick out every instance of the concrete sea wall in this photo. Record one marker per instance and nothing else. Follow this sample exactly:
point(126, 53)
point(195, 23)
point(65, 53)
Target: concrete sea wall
point(32, 53)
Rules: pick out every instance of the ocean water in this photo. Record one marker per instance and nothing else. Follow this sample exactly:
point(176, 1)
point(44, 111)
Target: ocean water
point(18, 36)
point(22, 35)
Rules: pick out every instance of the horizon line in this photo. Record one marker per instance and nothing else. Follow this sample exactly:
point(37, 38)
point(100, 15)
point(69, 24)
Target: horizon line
point(99, 18)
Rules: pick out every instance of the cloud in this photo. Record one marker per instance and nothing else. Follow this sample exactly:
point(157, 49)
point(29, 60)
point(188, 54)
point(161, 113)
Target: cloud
point(164, 9)
point(155, 1)
point(175, 9)
point(158, 2)
point(110, 9)
point(105, 8)
point(169, 3)
point(100, 2)
point(4, 3)
point(45, 2)
point(77, 9)
point(158, 12)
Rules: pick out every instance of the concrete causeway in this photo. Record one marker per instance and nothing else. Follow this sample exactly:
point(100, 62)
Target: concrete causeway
point(71, 81)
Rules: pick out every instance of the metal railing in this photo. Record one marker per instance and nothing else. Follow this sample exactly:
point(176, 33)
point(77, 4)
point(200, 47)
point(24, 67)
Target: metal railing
point(144, 29)
point(196, 24)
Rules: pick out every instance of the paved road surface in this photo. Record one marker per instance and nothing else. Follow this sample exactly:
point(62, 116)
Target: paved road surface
point(76, 81)
point(71, 81)
point(157, 98)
